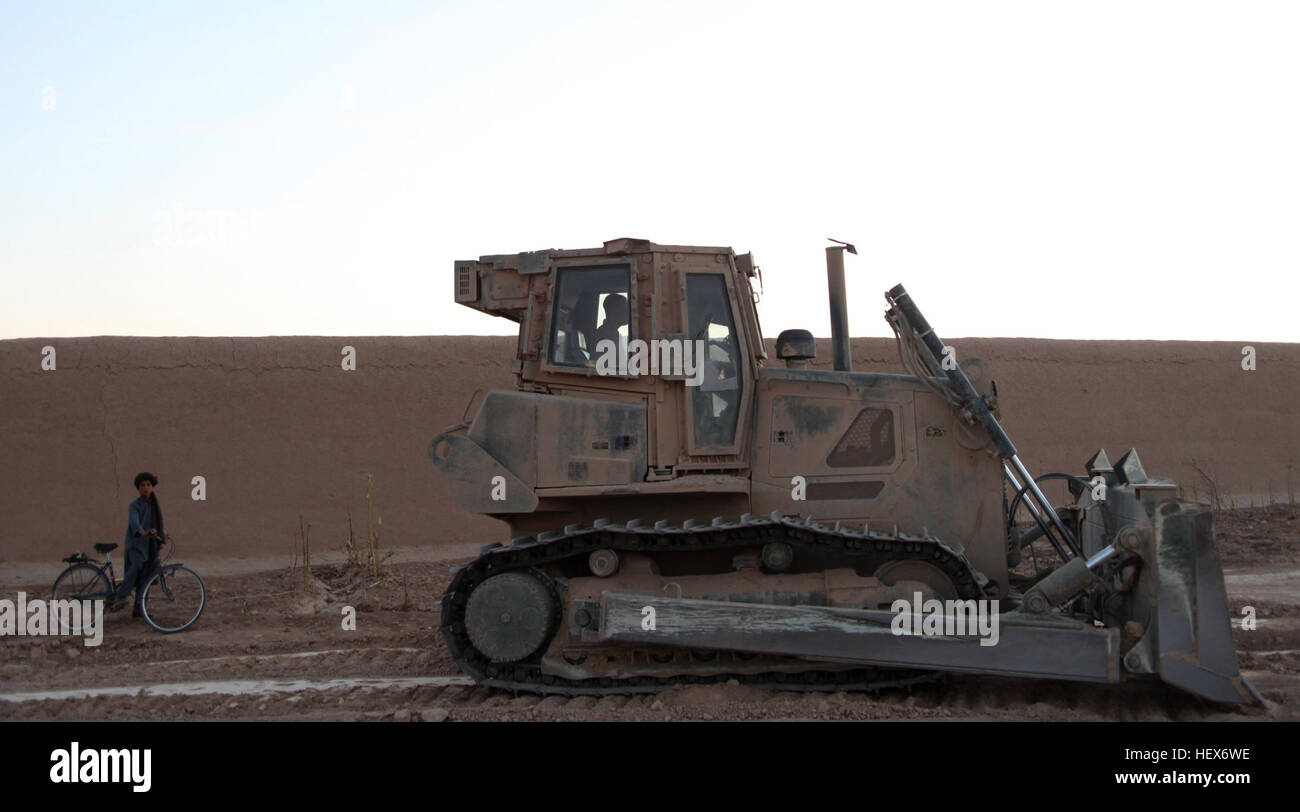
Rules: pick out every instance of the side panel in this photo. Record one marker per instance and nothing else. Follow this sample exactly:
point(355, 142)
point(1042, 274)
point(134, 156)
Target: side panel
point(476, 480)
point(835, 430)
point(551, 441)
point(590, 442)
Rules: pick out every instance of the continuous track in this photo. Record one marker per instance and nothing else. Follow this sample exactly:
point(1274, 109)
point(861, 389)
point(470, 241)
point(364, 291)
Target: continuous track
point(865, 548)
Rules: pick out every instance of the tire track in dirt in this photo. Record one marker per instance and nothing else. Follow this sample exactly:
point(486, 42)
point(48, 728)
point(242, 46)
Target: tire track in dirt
point(438, 698)
point(253, 688)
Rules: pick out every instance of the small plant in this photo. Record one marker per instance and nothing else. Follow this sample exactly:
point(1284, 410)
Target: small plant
point(350, 544)
point(304, 530)
point(406, 595)
point(1290, 490)
point(372, 530)
point(1211, 485)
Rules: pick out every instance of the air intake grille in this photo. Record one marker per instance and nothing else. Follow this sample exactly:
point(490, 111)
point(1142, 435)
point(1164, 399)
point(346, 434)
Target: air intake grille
point(466, 283)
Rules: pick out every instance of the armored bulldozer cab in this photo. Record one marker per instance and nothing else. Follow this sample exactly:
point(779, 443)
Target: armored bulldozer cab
point(568, 302)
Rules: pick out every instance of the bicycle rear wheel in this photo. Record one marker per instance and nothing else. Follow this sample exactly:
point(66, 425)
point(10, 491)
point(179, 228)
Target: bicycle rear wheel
point(80, 582)
point(173, 599)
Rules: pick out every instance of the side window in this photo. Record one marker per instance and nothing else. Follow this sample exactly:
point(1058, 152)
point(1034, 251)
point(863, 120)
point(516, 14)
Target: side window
point(591, 305)
point(869, 441)
point(715, 403)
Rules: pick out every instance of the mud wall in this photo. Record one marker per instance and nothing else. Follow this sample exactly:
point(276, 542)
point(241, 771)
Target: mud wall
point(279, 430)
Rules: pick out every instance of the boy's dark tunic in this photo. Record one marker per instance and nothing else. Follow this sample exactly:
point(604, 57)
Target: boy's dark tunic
point(141, 551)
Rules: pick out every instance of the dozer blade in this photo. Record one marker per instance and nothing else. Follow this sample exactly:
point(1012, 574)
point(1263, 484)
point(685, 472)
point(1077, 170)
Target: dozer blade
point(1194, 643)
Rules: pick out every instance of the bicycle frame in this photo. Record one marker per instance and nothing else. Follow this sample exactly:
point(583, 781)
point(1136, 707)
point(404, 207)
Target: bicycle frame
point(105, 567)
point(162, 577)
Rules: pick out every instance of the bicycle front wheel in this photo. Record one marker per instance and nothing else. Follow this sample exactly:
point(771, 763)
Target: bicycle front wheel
point(173, 599)
point(80, 582)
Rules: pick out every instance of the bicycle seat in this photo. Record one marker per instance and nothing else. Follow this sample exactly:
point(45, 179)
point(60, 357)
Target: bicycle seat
point(104, 548)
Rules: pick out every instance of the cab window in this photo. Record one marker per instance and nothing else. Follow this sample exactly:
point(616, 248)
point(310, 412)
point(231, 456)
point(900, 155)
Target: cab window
point(716, 401)
point(592, 304)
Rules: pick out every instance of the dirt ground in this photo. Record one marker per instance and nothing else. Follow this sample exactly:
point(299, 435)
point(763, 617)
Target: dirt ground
point(271, 645)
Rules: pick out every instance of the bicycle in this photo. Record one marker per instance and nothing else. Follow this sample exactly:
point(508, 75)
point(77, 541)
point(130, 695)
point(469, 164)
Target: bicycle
point(171, 601)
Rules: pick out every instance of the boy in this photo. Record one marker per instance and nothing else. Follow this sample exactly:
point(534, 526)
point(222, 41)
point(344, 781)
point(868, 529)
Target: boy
point(144, 534)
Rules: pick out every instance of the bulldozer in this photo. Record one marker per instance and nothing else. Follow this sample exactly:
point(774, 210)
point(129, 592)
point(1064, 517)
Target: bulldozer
point(683, 509)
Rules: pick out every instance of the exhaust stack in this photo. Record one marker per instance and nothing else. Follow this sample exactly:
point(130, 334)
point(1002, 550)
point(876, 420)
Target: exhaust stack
point(839, 303)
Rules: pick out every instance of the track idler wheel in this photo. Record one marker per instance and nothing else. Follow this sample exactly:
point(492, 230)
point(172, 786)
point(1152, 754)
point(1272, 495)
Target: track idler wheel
point(510, 617)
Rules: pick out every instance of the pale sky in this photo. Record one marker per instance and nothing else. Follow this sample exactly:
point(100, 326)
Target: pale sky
point(1093, 170)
